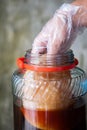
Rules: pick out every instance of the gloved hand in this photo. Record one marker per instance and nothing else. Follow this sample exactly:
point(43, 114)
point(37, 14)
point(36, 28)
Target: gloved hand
point(59, 33)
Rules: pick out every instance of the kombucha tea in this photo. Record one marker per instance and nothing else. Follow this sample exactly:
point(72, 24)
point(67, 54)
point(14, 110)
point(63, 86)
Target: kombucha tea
point(71, 118)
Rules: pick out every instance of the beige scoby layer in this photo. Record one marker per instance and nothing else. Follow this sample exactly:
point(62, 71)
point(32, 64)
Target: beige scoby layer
point(47, 90)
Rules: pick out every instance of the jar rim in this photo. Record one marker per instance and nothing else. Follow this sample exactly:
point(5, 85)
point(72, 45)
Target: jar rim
point(46, 59)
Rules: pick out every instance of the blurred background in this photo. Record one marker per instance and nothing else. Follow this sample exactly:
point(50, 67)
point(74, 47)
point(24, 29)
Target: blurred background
point(20, 22)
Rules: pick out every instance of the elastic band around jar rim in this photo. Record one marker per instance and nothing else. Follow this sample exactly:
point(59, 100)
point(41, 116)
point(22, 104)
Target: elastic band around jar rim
point(22, 65)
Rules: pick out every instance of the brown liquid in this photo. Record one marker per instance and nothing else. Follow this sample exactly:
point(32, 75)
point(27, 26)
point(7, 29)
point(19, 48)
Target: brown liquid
point(72, 118)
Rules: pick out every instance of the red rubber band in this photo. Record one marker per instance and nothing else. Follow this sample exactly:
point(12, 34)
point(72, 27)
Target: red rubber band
point(22, 65)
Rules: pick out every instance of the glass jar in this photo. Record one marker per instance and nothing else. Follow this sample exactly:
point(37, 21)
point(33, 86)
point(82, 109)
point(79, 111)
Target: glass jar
point(49, 93)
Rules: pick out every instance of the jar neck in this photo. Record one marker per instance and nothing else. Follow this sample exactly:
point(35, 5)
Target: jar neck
point(48, 59)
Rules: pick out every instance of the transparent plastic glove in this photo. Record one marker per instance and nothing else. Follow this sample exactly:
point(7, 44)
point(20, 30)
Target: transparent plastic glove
point(59, 33)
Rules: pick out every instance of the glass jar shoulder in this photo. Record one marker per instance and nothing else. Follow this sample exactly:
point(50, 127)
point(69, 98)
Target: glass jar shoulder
point(33, 75)
point(77, 72)
point(18, 73)
point(17, 79)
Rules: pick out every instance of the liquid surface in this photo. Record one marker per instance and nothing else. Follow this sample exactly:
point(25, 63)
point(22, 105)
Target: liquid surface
point(72, 118)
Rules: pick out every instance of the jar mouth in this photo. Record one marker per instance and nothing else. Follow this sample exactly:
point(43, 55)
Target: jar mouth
point(49, 59)
point(47, 62)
